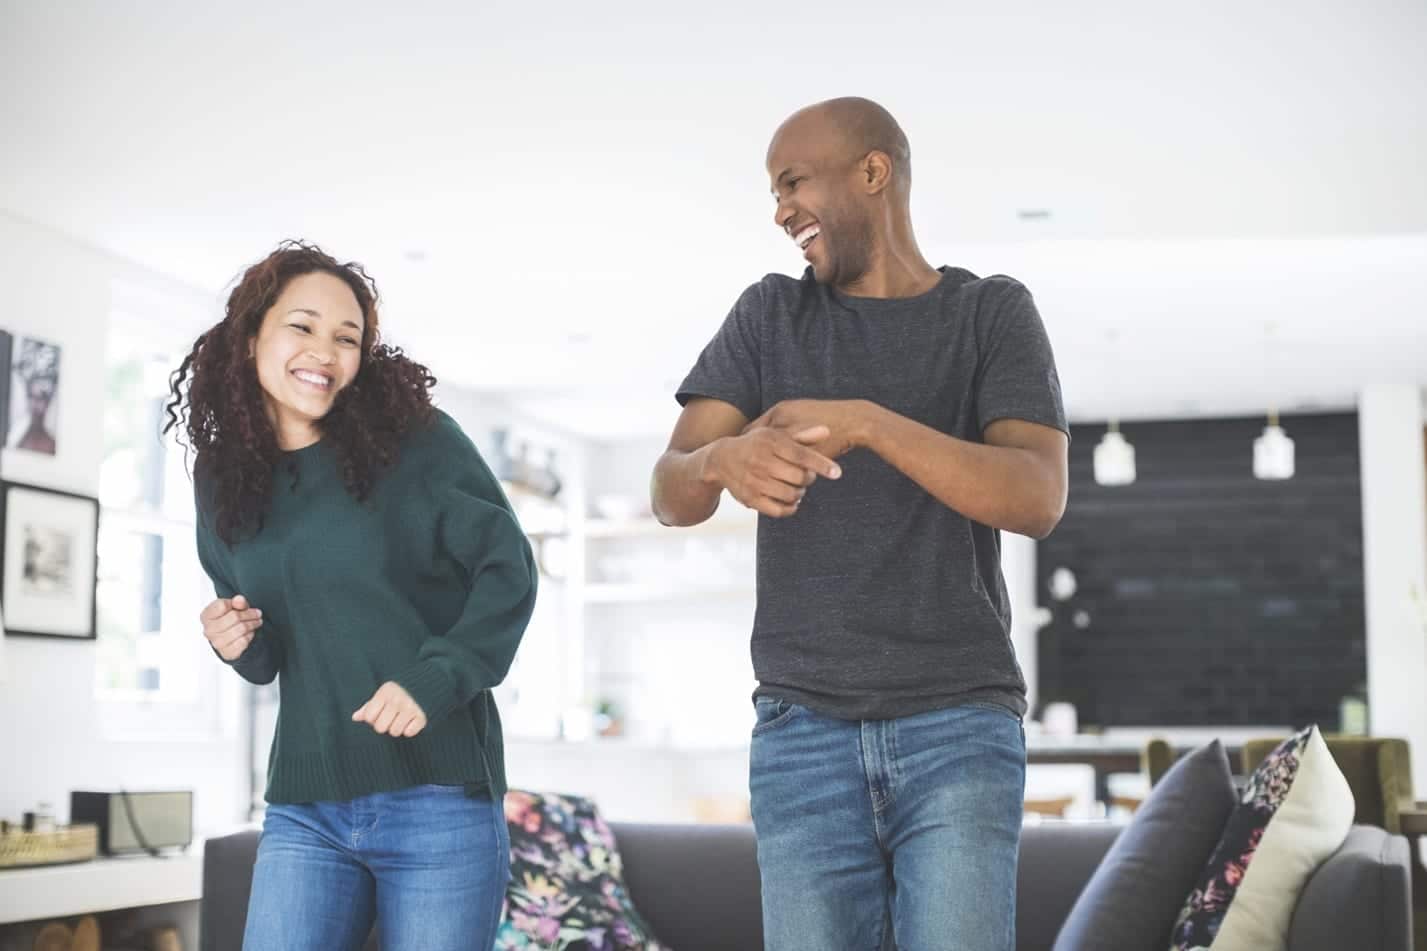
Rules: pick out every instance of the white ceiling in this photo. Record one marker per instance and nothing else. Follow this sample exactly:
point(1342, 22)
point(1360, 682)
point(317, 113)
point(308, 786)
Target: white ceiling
point(560, 201)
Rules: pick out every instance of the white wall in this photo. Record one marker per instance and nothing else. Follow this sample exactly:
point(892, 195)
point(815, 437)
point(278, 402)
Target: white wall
point(1390, 418)
point(54, 736)
point(1018, 564)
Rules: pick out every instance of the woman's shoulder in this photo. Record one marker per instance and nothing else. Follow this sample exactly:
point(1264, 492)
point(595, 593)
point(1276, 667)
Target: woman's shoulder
point(437, 437)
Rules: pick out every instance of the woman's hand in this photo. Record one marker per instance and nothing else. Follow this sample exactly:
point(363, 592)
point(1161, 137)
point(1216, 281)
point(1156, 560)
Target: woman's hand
point(230, 624)
point(392, 711)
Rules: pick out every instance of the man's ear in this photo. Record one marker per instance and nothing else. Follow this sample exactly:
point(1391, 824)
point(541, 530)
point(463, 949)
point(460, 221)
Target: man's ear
point(876, 172)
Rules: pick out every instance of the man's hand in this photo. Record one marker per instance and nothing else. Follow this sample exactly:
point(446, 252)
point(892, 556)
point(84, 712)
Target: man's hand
point(392, 711)
point(769, 469)
point(846, 422)
point(230, 624)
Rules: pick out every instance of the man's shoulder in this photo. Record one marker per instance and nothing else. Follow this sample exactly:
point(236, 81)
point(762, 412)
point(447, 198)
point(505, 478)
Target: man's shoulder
point(993, 286)
point(989, 301)
point(773, 292)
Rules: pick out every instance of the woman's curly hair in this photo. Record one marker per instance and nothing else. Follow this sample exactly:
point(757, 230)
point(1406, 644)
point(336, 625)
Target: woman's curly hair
point(217, 401)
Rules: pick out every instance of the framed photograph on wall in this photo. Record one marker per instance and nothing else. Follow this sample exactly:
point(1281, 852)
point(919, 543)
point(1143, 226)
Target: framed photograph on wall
point(33, 410)
point(48, 561)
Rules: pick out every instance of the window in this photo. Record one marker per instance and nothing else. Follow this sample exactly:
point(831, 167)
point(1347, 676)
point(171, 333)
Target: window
point(151, 586)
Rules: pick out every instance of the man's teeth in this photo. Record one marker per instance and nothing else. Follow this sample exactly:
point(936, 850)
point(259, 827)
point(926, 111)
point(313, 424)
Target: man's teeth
point(805, 237)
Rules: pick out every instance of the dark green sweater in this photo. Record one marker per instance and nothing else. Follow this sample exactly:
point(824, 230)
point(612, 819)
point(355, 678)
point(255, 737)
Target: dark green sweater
point(429, 583)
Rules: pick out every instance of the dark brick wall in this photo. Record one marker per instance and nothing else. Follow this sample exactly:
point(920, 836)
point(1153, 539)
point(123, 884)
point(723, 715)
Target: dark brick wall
point(1212, 597)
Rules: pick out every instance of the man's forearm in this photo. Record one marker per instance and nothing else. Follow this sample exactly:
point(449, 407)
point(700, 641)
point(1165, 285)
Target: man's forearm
point(681, 492)
point(1004, 487)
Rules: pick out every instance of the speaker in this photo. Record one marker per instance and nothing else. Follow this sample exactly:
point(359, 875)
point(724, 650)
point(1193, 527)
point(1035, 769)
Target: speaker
point(136, 821)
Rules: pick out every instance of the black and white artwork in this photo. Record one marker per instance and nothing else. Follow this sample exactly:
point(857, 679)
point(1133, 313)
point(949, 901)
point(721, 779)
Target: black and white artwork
point(49, 561)
point(49, 564)
point(33, 395)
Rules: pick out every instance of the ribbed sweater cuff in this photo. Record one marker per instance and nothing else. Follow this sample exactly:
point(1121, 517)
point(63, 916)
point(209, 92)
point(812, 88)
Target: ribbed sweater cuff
point(431, 687)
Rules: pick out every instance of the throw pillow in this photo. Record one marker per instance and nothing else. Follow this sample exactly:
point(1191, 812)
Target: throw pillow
point(566, 880)
point(1131, 901)
point(1295, 812)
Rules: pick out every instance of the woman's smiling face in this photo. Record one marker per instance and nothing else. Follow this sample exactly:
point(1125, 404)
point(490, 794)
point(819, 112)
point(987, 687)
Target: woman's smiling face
point(308, 349)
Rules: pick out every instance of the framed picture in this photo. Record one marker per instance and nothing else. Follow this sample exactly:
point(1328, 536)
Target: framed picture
point(33, 410)
point(48, 561)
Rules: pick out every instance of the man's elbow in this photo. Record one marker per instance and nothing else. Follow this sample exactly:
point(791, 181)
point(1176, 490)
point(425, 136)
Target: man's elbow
point(665, 503)
point(658, 505)
point(1044, 513)
point(672, 519)
point(1047, 518)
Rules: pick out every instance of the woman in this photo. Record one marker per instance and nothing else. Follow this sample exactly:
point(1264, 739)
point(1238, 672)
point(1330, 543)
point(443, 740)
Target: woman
point(364, 555)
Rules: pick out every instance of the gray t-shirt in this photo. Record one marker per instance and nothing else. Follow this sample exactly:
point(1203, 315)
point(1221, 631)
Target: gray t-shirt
point(875, 600)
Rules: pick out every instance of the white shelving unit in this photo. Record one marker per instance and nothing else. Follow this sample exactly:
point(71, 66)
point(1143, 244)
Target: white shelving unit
point(662, 567)
point(102, 884)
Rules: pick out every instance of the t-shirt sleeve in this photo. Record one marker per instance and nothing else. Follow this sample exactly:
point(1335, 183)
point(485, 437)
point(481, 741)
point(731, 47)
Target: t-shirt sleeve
point(1016, 375)
point(729, 369)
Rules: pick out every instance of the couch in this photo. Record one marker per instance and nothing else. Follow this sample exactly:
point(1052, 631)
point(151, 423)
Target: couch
point(698, 887)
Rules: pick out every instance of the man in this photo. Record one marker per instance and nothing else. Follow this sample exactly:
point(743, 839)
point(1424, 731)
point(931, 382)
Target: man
point(887, 419)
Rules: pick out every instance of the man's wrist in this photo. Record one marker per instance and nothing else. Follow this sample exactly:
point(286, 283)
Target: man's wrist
point(707, 471)
point(865, 423)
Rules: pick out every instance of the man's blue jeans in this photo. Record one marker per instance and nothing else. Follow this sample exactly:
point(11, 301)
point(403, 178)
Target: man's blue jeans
point(428, 863)
point(888, 833)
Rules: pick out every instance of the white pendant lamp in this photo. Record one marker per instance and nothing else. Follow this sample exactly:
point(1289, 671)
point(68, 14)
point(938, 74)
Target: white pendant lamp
point(1114, 458)
point(1273, 451)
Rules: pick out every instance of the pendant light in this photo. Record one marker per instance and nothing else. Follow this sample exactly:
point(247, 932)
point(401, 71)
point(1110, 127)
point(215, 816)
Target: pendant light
point(1114, 458)
point(1273, 451)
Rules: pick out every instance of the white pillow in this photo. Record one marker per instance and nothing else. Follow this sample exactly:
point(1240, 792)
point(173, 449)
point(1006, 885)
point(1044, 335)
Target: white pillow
point(1295, 812)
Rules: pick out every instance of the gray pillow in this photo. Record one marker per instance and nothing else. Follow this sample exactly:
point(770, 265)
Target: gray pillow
point(1134, 897)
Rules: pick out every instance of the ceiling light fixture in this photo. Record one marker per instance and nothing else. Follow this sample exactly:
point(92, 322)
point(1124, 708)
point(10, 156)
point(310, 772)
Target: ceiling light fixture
point(1273, 451)
point(1114, 458)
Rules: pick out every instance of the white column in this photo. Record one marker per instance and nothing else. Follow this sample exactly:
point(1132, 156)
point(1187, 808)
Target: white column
point(1390, 420)
point(1018, 565)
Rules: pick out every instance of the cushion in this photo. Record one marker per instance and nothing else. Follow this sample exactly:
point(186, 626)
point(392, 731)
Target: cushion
point(566, 880)
point(1132, 900)
point(1295, 811)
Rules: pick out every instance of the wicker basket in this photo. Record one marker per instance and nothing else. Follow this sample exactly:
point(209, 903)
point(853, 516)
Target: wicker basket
point(76, 843)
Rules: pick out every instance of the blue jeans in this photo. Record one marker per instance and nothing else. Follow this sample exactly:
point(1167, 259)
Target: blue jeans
point(888, 833)
point(428, 863)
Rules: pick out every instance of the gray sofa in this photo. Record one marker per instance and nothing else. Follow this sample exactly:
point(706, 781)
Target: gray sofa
point(698, 887)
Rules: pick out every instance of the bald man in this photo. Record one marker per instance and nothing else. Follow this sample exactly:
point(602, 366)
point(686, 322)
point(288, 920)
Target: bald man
point(887, 419)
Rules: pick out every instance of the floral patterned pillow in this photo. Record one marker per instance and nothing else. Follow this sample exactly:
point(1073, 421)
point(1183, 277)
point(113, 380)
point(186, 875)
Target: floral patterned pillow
point(566, 880)
point(1295, 811)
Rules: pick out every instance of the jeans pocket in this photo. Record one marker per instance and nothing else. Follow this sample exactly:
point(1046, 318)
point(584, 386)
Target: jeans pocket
point(771, 713)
